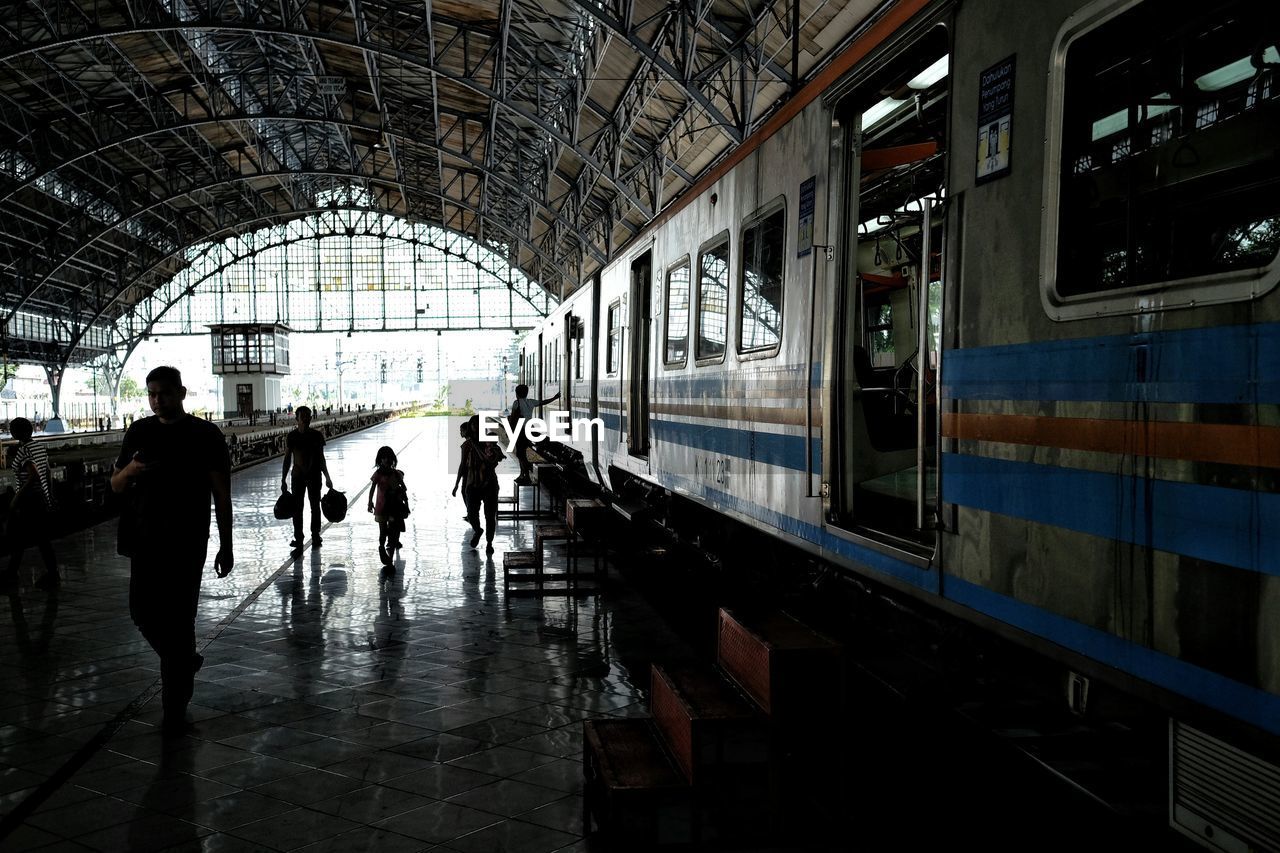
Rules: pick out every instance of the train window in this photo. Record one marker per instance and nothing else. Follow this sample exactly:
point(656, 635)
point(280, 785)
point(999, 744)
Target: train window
point(615, 337)
point(576, 333)
point(713, 299)
point(880, 334)
point(677, 308)
point(1165, 180)
point(760, 286)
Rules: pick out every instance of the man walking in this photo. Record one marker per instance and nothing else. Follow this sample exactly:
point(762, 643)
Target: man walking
point(170, 466)
point(30, 513)
point(304, 452)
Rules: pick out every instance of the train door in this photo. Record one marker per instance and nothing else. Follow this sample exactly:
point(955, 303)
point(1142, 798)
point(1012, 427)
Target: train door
point(594, 371)
point(641, 311)
point(538, 375)
point(574, 368)
point(888, 312)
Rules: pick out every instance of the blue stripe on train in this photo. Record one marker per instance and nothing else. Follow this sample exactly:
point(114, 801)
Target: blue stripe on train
point(1241, 701)
point(1229, 526)
point(784, 451)
point(923, 578)
point(1211, 689)
point(1234, 527)
point(1225, 364)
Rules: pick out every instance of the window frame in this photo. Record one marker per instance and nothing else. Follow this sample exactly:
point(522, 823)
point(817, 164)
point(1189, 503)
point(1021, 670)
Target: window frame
point(779, 204)
point(685, 262)
point(613, 347)
point(726, 238)
point(577, 334)
point(1211, 289)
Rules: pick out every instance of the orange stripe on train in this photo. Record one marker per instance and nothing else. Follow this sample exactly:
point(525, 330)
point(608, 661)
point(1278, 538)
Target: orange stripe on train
point(1229, 444)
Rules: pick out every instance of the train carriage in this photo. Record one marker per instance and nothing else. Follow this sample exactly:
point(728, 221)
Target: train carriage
point(988, 314)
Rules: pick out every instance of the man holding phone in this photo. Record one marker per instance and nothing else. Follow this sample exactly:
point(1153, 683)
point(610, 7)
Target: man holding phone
point(170, 466)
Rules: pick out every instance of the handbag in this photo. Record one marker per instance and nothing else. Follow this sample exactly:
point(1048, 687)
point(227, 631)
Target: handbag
point(334, 505)
point(284, 506)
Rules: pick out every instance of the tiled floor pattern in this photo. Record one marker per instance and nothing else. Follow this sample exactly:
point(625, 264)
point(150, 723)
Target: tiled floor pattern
point(338, 709)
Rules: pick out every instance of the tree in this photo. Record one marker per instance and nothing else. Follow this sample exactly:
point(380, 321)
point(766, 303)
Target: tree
point(438, 403)
point(130, 389)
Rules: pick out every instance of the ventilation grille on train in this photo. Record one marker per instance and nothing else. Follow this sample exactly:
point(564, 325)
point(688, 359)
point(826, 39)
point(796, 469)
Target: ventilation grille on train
point(1223, 797)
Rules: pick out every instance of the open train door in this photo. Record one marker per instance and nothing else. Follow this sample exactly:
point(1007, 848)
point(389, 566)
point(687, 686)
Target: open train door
point(882, 471)
point(641, 311)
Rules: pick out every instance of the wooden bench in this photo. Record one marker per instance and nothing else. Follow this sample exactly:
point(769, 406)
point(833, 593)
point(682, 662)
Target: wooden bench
point(706, 724)
point(630, 787)
point(516, 512)
point(545, 533)
point(796, 676)
point(793, 673)
point(720, 742)
point(549, 476)
point(585, 518)
point(521, 567)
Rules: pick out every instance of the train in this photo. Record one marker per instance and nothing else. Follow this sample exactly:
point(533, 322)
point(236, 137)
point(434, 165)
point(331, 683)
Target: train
point(987, 314)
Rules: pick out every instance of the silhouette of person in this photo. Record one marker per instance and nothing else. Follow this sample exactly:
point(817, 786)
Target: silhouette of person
point(30, 512)
point(523, 409)
point(388, 503)
point(304, 451)
point(170, 465)
point(477, 472)
point(472, 516)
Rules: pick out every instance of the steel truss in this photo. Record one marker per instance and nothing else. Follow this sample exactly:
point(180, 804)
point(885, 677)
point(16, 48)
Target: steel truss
point(548, 132)
point(210, 267)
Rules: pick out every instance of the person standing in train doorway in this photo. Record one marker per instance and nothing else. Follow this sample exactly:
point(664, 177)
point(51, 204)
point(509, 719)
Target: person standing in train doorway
point(304, 451)
point(521, 411)
point(169, 467)
point(30, 513)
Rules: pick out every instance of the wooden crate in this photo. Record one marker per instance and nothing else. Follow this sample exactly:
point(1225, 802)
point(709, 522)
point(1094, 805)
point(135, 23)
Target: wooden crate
point(793, 673)
point(582, 514)
point(708, 726)
point(630, 787)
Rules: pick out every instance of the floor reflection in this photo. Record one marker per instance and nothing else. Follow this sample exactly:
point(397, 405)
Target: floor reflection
point(342, 704)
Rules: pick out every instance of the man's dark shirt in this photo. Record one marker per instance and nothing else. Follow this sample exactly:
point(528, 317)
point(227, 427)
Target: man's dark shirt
point(170, 501)
point(306, 448)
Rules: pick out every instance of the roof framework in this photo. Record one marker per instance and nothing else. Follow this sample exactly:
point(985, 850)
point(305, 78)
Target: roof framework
point(133, 132)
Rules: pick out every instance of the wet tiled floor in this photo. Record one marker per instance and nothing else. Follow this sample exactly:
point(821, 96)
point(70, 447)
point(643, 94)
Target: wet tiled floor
point(338, 708)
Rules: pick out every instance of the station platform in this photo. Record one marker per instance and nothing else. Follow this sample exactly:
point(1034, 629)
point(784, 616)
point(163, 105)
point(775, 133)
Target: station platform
point(338, 708)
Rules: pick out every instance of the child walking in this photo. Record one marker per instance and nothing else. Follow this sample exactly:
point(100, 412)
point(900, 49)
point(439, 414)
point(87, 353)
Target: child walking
point(389, 503)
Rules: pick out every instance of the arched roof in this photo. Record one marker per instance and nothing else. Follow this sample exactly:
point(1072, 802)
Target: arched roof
point(549, 131)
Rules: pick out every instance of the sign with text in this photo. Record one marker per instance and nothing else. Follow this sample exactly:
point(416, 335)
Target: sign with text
point(995, 121)
point(804, 226)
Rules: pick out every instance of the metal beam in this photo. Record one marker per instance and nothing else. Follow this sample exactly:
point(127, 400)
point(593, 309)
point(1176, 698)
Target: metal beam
point(189, 288)
point(398, 52)
point(154, 202)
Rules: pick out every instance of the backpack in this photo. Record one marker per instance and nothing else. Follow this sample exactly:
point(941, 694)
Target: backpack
point(396, 503)
point(334, 505)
